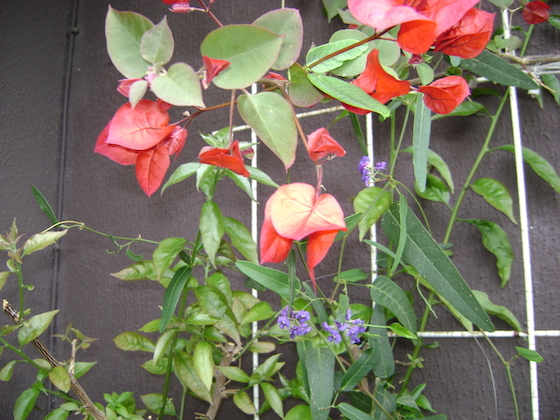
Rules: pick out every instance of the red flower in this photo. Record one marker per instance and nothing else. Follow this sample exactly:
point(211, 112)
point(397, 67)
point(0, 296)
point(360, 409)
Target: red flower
point(294, 212)
point(321, 145)
point(142, 136)
point(225, 158)
point(213, 67)
point(421, 21)
point(443, 95)
point(468, 37)
point(379, 84)
point(536, 12)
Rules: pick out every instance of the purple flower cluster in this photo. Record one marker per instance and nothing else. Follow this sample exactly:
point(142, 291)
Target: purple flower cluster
point(296, 321)
point(352, 327)
point(369, 171)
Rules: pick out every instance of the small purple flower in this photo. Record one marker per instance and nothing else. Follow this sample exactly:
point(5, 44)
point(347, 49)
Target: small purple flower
point(352, 328)
point(369, 171)
point(296, 321)
point(334, 333)
point(380, 166)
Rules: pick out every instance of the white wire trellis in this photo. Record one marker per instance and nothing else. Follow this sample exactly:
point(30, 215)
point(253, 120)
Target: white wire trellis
point(532, 333)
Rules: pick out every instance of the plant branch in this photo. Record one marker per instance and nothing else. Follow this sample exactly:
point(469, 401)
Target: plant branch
point(90, 408)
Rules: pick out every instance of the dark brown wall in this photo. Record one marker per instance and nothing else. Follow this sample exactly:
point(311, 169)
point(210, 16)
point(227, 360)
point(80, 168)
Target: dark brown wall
point(58, 92)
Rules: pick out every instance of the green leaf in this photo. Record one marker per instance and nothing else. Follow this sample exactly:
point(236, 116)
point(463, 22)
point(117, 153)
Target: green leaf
point(165, 254)
point(503, 4)
point(426, 256)
point(352, 413)
point(58, 414)
point(353, 275)
point(421, 143)
point(251, 50)
point(353, 67)
point(133, 341)
point(137, 91)
point(34, 326)
point(348, 93)
point(497, 310)
point(204, 363)
point(81, 368)
point(332, 63)
point(436, 190)
point(391, 296)
point(437, 162)
point(530, 355)
point(496, 194)
point(554, 21)
point(44, 205)
point(286, 22)
point(242, 400)
point(553, 83)
point(262, 347)
point(181, 173)
point(124, 31)
point(398, 329)
point(220, 282)
point(156, 45)
point(212, 301)
point(3, 278)
point(272, 279)
point(211, 229)
point(301, 91)
point(384, 365)
point(172, 295)
point(179, 86)
point(425, 73)
point(259, 312)
point(495, 240)
point(359, 369)
point(332, 7)
point(260, 176)
point(163, 343)
point(154, 402)
point(185, 371)
point(464, 109)
point(242, 182)
point(25, 403)
point(319, 365)
point(41, 240)
point(7, 371)
point(273, 397)
point(234, 373)
point(299, 412)
point(60, 378)
point(272, 118)
point(538, 164)
point(372, 202)
point(143, 270)
point(498, 70)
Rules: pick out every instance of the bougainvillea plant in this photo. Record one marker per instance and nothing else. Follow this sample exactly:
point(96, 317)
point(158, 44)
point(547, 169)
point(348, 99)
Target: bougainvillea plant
point(422, 56)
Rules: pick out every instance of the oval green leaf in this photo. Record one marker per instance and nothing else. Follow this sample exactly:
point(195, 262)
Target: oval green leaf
point(241, 239)
point(60, 378)
point(372, 202)
point(251, 50)
point(184, 369)
point(234, 373)
point(272, 118)
point(496, 194)
point(133, 341)
point(156, 45)
point(204, 363)
point(165, 254)
point(181, 173)
point(143, 270)
point(34, 326)
point(179, 86)
point(41, 240)
point(211, 229)
point(25, 403)
point(273, 397)
point(301, 91)
point(242, 400)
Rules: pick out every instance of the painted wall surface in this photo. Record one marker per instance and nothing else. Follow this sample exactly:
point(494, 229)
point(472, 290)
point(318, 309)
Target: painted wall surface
point(57, 86)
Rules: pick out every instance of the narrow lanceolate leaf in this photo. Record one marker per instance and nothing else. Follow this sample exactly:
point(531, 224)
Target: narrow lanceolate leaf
point(133, 341)
point(35, 326)
point(7, 371)
point(211, 229)
point(426, 256)
point(204, 363)
point(272, 118)
point(185, 371)
point(498, 70)
point(319, 366)
point(496, 194)
point(551, 80)
point(347, 93)
point(124, 31)
point(538, 164)
point(495, 240)
point(437, 162)
point(172, 295)
point(273, 397)
point(497, 310)
point(179, 86)
point(25, 403)
point(60, 378)
point(359, 369)
point(156, 45)
point(389, 294)
point(353, 413)
point(530, 355)
point(251, 50)
point(286, 22)
point(272, 279)
point(384, 364)
point(242, 400)
point(164, 343)
point(421, 143)
point(260, 176)
point(44, 205)
point(41, 240)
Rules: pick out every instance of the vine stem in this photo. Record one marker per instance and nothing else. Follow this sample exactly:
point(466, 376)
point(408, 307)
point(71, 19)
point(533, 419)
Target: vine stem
point(484, 149)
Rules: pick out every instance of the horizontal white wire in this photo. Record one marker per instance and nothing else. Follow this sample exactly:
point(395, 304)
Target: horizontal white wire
point(468, 334)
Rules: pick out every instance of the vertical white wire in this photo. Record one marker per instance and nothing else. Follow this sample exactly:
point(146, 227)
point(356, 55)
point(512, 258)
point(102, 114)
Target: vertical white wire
point(373, 229)
point(524, 227)
point(254, 234)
